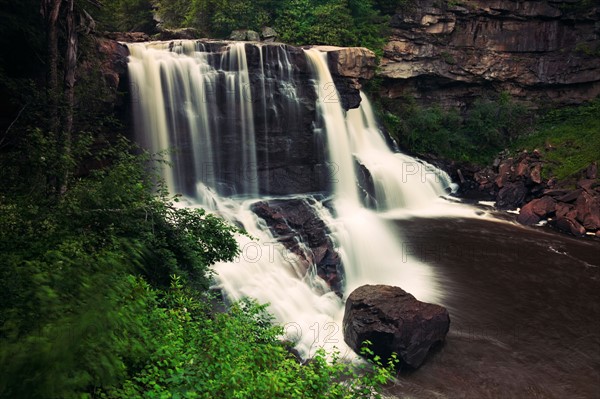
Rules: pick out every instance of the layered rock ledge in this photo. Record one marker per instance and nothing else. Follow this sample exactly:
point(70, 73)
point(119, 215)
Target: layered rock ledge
point(450, 53)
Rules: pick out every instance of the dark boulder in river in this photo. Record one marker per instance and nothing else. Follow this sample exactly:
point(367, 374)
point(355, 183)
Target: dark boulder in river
point(394, 321)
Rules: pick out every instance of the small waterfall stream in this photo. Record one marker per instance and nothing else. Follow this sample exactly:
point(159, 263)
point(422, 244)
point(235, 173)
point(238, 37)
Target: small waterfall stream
point(228, 123)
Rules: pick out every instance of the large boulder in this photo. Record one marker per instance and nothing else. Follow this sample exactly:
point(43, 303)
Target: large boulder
point(394, 321)
point(241, 35)
point(269, 34)
point(537, 209)
point(175, 34)
point(511, 195)
point(570, 225)
point(588, 210)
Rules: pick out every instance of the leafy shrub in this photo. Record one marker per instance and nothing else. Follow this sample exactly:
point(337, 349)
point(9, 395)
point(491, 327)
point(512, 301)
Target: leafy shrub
point(568, 137)
point(236, 354)
point(478, 135)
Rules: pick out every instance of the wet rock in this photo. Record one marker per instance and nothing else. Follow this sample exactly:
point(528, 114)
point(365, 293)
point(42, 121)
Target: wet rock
point(505, 172)
point(589, 185)
point(536, 173)
point(570, 196)
point(527, 216)
point(129, 37)
point(485, 178)
point(113, 67)
point(536, 210)
point(543, 206)
point(365, 184)
point(588, 211)
point(296, 225)
point(555, 192)
point(511, 195)
point(523, 168)
point(571, 226)
point(592, 171)
point(394, 321)
point(565, 210)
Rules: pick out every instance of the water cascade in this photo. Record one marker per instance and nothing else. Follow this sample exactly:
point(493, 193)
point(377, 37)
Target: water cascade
point(247, 123)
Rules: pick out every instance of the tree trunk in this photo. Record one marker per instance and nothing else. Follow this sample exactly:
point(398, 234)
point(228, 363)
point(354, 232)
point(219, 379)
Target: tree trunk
point(51, 11)
point(69, 83)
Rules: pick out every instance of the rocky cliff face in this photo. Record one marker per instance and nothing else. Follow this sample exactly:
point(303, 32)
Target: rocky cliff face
point(450, 52)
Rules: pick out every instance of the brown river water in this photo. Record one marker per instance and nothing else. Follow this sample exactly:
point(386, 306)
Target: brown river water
point(524, 306)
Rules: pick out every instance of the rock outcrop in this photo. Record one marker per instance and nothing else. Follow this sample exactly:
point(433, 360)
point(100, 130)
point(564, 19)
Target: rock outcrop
point(129, 37)
point(574, 211)
point(451, 53)
point(174, 34)
point(113, 66)
point(348, 66)
point(296, 225)
point(511, 181)
point(394, 321)
point(571, 206)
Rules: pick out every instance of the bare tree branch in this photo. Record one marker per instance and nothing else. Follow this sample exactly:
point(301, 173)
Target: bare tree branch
point(11, 125)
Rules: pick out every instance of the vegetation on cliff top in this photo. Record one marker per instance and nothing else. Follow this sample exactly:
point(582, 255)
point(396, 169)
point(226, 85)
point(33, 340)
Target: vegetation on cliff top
point(334, 22)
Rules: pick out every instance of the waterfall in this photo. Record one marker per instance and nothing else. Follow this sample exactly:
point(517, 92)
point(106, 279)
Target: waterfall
point(369, 246)
point(236, 117)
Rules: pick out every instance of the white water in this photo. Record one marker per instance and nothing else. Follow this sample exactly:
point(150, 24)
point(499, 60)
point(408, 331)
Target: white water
point(371, 250)
point(175, 108)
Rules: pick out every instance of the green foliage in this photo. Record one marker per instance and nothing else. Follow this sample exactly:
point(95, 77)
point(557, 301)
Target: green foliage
point(477, 136)
point(236, 355)
point(72, 295)
point(390, 7)
point(586, 49)
point(173, 13)
point(568, 137)
point(577, 6)
point(125, 15)
point(335, 22)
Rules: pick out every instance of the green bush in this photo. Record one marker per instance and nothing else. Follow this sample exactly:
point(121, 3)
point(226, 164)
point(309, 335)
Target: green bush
point(569, 139)
point(236, 354)
point(486, 128)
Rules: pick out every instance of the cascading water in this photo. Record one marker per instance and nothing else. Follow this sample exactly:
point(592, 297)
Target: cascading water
point(369, 248)
point(210, 101)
